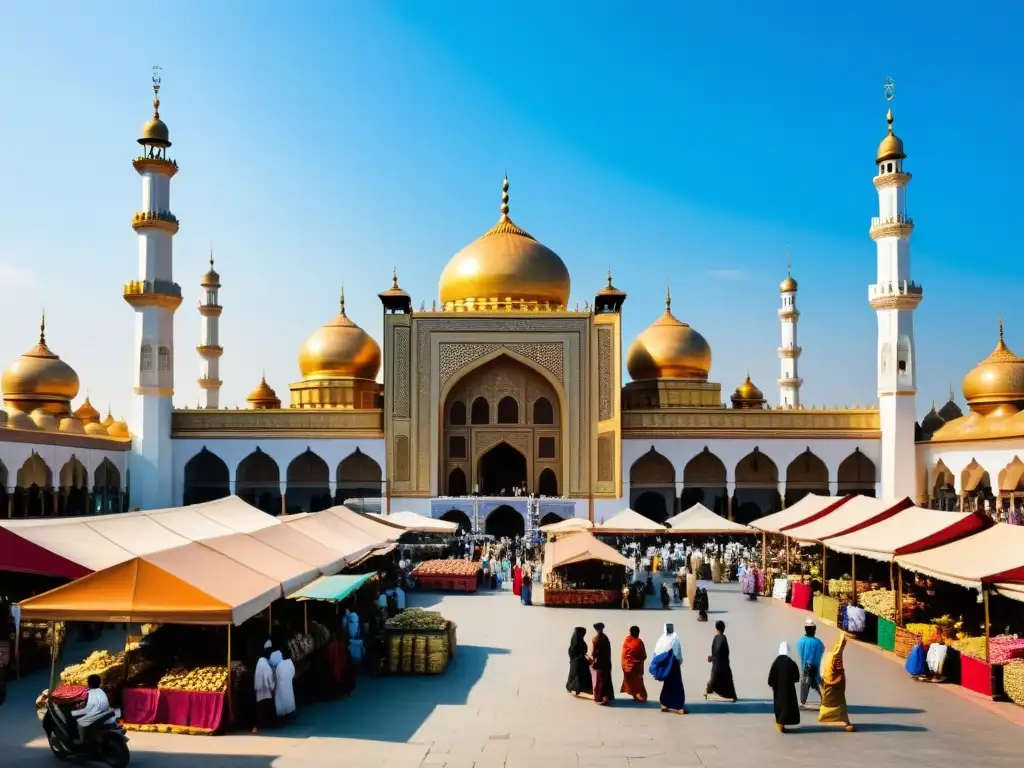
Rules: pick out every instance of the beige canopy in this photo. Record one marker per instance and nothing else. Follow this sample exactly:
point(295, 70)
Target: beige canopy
point(569, 525)
point(410, 521)
point(1012, 591)
point(377, 528)
point(859, 512)
point(994, 556)
point(912, 530)
point(698, 519)
point(809, 508)
point(628, 521)
point(581, 547)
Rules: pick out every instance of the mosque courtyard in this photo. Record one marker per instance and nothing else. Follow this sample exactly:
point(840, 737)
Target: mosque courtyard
point(502, 702)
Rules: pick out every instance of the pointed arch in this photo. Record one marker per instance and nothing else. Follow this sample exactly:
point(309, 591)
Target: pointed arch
point(206, 478)
point(73, 474)
point(480, 413)
point(35, 471)
point(651, 505)
point(857, 474)
point(457, 414)
point(550, 519)
point(460, 518)
point(757, 487)
point(258, 481)
point(807, 473)
point(704, 482)
point(508, 410)
point(942, 484)
point(504, 521)
point(74, 488)
point(457, 485)
point(359, 476)
point(543, 411)
point(974, 477)
point(309, 483)
point(652, 470)
point(107, 496)
point(1011, 477)
point(547, 482)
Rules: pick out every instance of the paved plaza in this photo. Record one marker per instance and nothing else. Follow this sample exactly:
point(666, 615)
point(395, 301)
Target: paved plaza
point(502, 702)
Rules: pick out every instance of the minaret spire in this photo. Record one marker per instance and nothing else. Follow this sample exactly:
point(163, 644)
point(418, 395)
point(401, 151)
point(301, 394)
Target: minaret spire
point(343, 299)
point(42, 329)
point(789, 351)
point(504, 197)
point(209, 348)
point(668, 298)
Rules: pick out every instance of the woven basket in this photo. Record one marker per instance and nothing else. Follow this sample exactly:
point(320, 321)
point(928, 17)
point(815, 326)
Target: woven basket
point(405, 666)
point(419, 654)
point(905, 642)
point(394, 653)
point(1013, 682)
point(452, 639)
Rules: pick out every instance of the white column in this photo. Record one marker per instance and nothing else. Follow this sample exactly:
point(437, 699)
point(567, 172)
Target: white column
point(894, 297)
point(789, 351)
point(209, 348)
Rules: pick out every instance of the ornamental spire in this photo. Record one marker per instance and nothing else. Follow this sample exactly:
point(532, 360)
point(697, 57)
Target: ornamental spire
point(156, 91)
point(504, 197)
point(42, 329)
point(668, 298)
point(343, 298)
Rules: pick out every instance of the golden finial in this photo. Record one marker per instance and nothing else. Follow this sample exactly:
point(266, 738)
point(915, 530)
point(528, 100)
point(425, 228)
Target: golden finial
point(504, 197)
point(888, 119)
point(263, 376)
point(343, 298)
point(951, 391)
point(748, 373)
point(394, 277)
point(668, 298)
point(1000, 328)
point(789, 263)
point(156, 91)
point(42, 329)
point(211, 256)
point(609, 277)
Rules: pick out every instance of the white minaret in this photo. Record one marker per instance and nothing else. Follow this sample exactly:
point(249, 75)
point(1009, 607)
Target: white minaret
point(894, 297)
point(789, 352)
point(209, 348)
point(154, 296)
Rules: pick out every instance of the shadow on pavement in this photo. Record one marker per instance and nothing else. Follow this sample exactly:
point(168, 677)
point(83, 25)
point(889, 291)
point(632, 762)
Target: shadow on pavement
point(766, 706)
point(24, 757)
point(861, 728)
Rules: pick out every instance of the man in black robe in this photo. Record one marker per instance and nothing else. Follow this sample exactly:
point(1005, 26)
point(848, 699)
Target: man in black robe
point(783, 678)
point(721, 682)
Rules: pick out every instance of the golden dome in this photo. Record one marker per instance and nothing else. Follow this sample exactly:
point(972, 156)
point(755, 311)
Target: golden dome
point(72, 425)
point(263, 397)
point(996, 380)
point(789, 284)
point(669, 349)
point(505, 264)
point(747, 395)
point(891, 147)
point(108, 420)
point(211, 279)
point(43, 419)
point(154, 130)
point(340, 349)
point(96, 429)
point(41, 379)
point(18, 419)
point(932, 421)
point(86, 413)
point(119, 429)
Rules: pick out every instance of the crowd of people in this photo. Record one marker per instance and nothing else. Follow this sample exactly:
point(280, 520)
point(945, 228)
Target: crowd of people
point(591, 670)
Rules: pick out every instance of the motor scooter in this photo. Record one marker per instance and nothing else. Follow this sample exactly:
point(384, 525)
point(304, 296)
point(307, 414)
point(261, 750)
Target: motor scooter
point(105, 741)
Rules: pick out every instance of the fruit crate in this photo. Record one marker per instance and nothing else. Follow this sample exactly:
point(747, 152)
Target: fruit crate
point(977, 676)
point(829, 609)
point(886, 634)
point(447, 583)
point(904, 642)
point(420, 651)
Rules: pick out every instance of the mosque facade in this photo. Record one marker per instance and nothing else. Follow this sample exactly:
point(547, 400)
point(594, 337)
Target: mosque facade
point(498, 404)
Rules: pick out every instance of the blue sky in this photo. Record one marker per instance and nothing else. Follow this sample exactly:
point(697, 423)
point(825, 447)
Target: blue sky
point(669, 140)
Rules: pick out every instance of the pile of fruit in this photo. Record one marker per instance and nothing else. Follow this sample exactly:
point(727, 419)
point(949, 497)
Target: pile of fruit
point(200, 679)
point(300, 646)
point(102, 663)
point(928, 633)
point(1013, 682)
point(1002, 648)
point(447, 568)
point(880, 602)
point(414, 619)
point(844, 587)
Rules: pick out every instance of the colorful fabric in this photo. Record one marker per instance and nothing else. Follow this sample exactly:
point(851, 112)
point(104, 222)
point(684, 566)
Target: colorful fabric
point(634, 654)
point(833, 686)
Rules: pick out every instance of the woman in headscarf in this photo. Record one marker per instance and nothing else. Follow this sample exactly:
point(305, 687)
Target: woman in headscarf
point(782, 679)
point(517, 580)
point(833, 688)
point(601, 662)
point(579, 666)
point(526, 590)
point(721, 682)
point(667, 668)
point(703, 604)
point(633, 657)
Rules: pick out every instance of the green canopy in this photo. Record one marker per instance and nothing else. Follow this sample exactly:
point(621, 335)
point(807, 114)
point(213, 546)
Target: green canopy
point(334, 588)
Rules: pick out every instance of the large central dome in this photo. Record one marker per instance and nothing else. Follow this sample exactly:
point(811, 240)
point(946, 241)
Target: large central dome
point(505, 265)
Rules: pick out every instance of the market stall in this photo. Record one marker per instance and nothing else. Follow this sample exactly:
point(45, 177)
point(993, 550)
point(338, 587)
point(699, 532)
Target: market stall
point(698, 520)
point(776, 553)
point(414, 523)
point(569, 525)
point(580, 570)
point(628, 522)
point(449, 575)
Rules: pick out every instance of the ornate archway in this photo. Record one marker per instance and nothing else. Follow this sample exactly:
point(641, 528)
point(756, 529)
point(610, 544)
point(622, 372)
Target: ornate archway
point(857, 474)
point(459, 518)
point(206, 478)
point(704, 482)
point(807, 473)
point(33, 492)
point(504, 521)
point(507, 402)
point(653, 474)
point(500, 470)
point(757, 487)
point(308, 483)
point(550, 519)
point(73, 498)
point(359, 476)
point(943, 488)
point(652, 505)
point(107, 496)
point(258, 481)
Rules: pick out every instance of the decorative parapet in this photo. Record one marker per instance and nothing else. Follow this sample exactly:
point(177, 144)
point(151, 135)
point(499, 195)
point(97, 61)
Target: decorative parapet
point(793, 352)
point(905, 295)
point(157, 165)
point(153, 293)
point(164, 220)
point(279, 423)
point(210, 350)
point(892, 180)
point(743, 423)
point(210, 310)
point(899, 226)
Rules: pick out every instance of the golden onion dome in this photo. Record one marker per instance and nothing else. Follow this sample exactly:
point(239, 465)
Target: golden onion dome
point(891, 147)
point(996, 380)
point(43, 419)
point(72, 425)
point(119, 429)
point(340, 349)
point(669, 349)
point(263, 397)
point(86, 413)
point(18, 419)
point(788, 285)
point(39, 376)
point(505, 264)
point(154, 130)
point(108, 420)
point(96, 429)
point(932, 421)
point(747, 395)
point(211, 279)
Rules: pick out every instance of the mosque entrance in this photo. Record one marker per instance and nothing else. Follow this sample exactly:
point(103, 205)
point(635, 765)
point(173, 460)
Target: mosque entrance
point(502, 468)
point(505, 521)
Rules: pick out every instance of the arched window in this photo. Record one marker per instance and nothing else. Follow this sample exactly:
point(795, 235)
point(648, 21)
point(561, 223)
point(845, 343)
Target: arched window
point(508, 411)
point(457, 413)
point(547, 483)
point(163, 357)
point(481, 412)
point(543, 413)
point(146, 358)
point(457, 483)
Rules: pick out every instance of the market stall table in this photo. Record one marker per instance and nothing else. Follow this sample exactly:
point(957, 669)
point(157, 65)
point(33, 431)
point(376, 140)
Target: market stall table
point(576, 549)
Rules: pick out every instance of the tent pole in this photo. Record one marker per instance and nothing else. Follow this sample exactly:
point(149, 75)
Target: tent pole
point(853, 577)
point(231, 708)
point(824, 570)
point(764, 553)
point(127, 640)
point(899, 596)
point(305, 617)
point(988, 630)
point(892, 577)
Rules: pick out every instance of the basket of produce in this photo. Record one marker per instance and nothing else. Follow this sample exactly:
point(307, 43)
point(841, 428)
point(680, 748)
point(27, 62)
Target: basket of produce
point(458, 575)
point(394, 652)
point(1013, 682)
point(405, 666)
point(1002, 649)
point(904, 642)
point(197, 680)
point(886, 634)
point(419, 642)
point(419, 654)
point(880, 602)
point(928, 633)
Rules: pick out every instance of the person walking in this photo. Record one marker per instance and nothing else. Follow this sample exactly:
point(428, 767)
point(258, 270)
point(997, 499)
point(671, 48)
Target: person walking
point(634, 654)
point(809, 649)
point(579, 681)
point(667, 668)
point(833, 688)
point(601, 663)
point(782, 679)
point(721, 682)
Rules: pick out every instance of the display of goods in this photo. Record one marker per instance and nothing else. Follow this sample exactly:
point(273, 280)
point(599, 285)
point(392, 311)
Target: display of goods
point(394, 653)
point(419, 654)
point(320, 634)
point(300, 646)
point(180, 730)
point(416, 618)
point(1001, 648)
point(928, 633)
point(102, 663)
point(886, 634)
point(406, 660)
point(1013, 682)
point(200, 679)
point(904, 642)
point(586, 597)
point(881, 602)
point(447, 568)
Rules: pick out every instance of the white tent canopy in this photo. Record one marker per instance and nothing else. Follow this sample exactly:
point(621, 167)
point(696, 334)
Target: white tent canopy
point(569, 525)
point(698, 519)
point(912, 530)
point(992, 556)
point(857, 513)
point(411, 521)
point(628, 520)
point(810, 507)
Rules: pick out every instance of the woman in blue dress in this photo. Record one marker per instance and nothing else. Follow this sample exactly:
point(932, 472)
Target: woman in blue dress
point(667, 667)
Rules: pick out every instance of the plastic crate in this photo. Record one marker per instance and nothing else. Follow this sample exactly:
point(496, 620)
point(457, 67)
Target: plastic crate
point(977, 676)
point(886, 634)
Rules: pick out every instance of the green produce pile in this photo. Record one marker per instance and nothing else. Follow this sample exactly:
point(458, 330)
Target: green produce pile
point(417, 618)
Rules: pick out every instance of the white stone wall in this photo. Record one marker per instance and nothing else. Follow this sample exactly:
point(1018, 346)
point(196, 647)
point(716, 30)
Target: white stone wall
point(992, 455)
point(14, 456)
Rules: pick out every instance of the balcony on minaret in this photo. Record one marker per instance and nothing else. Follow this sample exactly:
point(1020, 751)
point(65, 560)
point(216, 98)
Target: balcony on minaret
point(206, 382)
point(164, 220)
point(793, 352)
point(896, 226)
point(793, 382)
point(153, 293)
point(156, 162)
point(789, 312)
point(895, 295)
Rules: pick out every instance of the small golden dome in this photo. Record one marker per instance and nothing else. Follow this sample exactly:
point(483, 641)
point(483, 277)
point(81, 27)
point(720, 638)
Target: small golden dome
point(72, 425)
point(747, 395)
point(119, 429)
point(669, 349)
point(108, 420)
point(96, 429)
point(932, 421)
point(996, 380)
point(86, 413)
point(40, 378)
point(154, 130)
point(340, 349)
point(18, 419)
point(211, 279)
point(505, 263)
point(788, 285)
point(395, 289)
point(609, 289)
point(44, 420)
point(263, 397)
point(891, 147)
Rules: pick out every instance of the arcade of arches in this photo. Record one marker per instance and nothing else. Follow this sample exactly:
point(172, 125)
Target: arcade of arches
point(757, 487)
point(37, 492)
point(502, 430)
point(976, 492)
point(503, 521)
point(305, 485)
